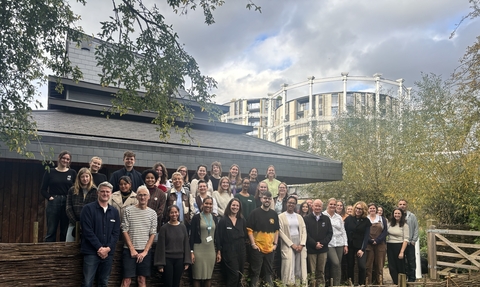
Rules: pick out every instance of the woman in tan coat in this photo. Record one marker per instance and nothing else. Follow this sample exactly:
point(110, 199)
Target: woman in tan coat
point(293, 235)
point(125, 197)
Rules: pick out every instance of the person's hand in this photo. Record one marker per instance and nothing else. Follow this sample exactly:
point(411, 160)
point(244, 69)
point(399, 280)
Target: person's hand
point(345, 249)
point(133, 253)
point(160, 269)
point(219, 257)
point(318, 246)
point(185, 267)
point(141, 256)
point(400, 255)
point(360, 253)
point(193, 258)
point(255, 247)
point(374, 242)
point(299, 248)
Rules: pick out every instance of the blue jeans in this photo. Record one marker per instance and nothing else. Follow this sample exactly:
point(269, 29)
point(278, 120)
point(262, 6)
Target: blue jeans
point(56, 213)
point(94, 265)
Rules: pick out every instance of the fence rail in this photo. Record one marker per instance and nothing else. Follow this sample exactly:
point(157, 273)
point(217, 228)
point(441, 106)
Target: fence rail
point(464, 255)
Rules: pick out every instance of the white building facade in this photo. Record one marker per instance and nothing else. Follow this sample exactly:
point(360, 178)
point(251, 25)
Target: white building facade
point(289, 115)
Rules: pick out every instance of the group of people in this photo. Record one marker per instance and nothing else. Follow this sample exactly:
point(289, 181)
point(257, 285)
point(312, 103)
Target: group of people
point(213, 219)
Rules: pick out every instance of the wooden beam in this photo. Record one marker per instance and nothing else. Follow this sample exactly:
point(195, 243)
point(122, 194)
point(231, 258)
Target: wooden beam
point(458, 250)
point(454, 265)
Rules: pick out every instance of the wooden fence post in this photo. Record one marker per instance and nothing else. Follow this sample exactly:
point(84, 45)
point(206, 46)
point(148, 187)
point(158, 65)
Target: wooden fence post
point(402, 280)
point(432, 250)
point(77, 232)
point(35, 232)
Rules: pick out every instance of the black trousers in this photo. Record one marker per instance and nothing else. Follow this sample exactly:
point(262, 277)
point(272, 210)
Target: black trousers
point(395, 265)
point(233, 258)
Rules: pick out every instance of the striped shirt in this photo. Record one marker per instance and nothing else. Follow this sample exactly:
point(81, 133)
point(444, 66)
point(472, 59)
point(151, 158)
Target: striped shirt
point(139, 224)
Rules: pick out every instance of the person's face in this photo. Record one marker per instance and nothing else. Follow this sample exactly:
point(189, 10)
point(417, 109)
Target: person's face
point(282, 190)
point(129, 161)
point(183, 172)
point(402, 205)
point(84, 179)
point(150, 180)
point(215, 170)
point(266, 201)
point(309, 202)
point(332, 206)
point(380, 211)
point(372, 210)
point(358, 210)
point(202, 188)
point(246, 184)
point(95, 165)
point(339, 207)
point(177, 181)
point(234, 171)
point(173, 214)
point(234, 207)
point(143, 196)
point(317, 207)
point(350, 210)
point(253, 173)
point(124, 186)
point(271, 171)
point(225, 184)
point(305, 208)
point(64, 161)
point(202, 171)
point(207, 206)
point(159, 170)
point(397, 214)
point(262, 187)
point(291, 204)
point(104, 194)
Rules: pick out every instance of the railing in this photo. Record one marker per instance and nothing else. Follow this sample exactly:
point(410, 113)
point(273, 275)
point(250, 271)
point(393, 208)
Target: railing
point(454, 250)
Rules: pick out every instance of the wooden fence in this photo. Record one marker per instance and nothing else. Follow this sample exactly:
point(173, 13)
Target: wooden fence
point(453, 256)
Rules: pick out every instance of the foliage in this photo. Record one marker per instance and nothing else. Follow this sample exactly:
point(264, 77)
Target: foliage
point(140, 53)
point(427, 154)
point(32, 40)
point(368, 145)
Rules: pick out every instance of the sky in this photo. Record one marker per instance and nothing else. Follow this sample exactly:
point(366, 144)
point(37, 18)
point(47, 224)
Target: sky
point(251, 54)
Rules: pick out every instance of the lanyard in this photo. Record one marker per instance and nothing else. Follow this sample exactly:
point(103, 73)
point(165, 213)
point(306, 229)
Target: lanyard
point(209, 223)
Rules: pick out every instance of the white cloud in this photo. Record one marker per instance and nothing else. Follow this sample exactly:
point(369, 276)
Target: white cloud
point(251, 54)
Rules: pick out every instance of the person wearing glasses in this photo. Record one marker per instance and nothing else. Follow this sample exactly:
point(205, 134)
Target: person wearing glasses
point(357, 227)
point(183, 170)
point(262, 229)
point(293, 235)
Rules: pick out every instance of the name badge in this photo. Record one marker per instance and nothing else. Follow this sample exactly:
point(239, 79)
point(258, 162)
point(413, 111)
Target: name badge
point(229, 228)
point(112, 220)
point(208, 239)
point(249, 200)
point(209, 228)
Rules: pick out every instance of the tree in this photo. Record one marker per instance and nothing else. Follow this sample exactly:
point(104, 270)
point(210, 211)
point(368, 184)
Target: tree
point(140, 51)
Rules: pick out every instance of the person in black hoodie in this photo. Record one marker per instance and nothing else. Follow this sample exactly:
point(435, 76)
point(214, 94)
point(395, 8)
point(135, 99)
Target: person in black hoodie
point(319, 234)
point(357, 227)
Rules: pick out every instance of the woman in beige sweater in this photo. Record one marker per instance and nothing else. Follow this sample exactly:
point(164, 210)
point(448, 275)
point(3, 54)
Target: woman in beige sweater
point(396, 243)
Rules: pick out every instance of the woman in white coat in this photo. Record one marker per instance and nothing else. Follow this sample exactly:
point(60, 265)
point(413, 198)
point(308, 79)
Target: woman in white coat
point(293, 236)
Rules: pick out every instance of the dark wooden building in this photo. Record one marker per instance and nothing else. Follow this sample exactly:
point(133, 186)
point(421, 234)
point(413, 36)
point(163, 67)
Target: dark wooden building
point(74, 122)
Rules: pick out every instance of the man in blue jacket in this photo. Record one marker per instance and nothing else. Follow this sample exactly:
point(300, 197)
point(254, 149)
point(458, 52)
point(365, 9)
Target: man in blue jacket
point(100, 231)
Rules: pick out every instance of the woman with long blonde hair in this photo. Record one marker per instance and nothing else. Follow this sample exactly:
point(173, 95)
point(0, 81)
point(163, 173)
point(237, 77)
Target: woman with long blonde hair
point(82, 192)
point(223, 195)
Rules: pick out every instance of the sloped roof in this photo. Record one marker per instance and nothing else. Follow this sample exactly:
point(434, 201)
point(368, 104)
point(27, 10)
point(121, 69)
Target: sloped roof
point(86, 136)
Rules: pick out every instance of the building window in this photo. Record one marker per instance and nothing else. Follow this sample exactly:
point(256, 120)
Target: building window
point(334, 105)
